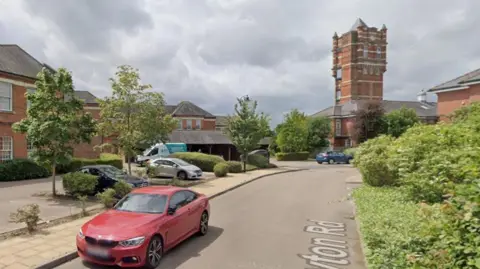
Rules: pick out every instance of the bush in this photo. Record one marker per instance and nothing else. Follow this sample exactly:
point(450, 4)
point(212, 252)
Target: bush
point(206, 162)
point(372, 160)
point(234, 167)
point(76, 163)
point(77, 184)
point(221, 169)
point(28, 214)
point(21, 169)
point(257, 160)
point(107, 197)
point(122, 188)
point(292, 156)
point(350, 151)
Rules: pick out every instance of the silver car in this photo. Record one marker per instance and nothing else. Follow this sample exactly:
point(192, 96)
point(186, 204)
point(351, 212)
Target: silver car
point(173, 167)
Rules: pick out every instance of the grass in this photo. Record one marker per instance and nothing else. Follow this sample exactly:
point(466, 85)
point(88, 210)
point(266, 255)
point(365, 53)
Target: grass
point(389, 224)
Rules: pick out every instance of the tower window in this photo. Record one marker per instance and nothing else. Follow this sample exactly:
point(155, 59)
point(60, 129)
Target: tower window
point(365, 52)
point(339, 94)
point(365, 71)
point(379, 52)
point(338, 127)
point(339, 73)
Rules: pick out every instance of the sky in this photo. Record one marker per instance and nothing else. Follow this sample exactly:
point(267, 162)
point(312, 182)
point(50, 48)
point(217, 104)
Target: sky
point(210, 52)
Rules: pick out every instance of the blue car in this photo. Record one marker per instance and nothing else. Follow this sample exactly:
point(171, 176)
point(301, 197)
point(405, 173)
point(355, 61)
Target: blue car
point(332, 157)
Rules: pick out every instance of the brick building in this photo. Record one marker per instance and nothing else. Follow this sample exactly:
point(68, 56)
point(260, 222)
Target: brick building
point(18, 72)
point(457, 92)
point(359, 62)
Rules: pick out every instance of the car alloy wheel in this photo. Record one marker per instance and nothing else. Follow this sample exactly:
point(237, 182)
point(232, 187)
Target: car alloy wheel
point(204, 224)
point(154, 252)
point(182, 175)
point(331, 161)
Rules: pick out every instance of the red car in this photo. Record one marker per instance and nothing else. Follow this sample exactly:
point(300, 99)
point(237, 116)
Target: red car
point(142, 226)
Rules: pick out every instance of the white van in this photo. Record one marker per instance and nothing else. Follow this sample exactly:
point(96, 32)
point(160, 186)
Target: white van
point(156, 151)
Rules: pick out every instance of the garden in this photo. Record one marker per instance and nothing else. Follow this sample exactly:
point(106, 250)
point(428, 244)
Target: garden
point(420, 205)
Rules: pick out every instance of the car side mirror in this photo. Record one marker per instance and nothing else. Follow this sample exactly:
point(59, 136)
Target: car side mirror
point(175, 165)
point(171, 210)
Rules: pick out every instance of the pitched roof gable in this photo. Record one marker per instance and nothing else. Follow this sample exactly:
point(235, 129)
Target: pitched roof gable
point(189, 109)
point(15, 60)
point(472, 76)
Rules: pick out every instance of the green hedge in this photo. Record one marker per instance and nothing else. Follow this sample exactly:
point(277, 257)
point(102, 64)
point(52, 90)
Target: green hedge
point(257, 160)
point(292, 156)
point(21, 169)
point(78, 183)
point(76, 163)
point(220, 169)
point(206, 162)
point(235, 167)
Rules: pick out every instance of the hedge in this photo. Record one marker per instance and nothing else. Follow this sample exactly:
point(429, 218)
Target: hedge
point(235, 167)
point(292, 156)
point(76, 163)
point(21, 169)
point(78, 183)
point(257, 160)
point(206, 162)
point(221, 169)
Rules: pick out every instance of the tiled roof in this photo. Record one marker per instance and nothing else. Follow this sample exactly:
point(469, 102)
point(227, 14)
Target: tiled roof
point(358, 23)
point(86, 97)
point(200, 137)
point(15, 60)
point(457, 82)
point(423, 109)
point(186, 108)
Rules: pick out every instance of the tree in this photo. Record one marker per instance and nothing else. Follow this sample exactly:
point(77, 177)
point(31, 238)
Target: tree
point(369, 121)
point(398, 121)
point(318, 130)
point(293, 133)
point(246, 127)
point(132, 115)
point(55, 120)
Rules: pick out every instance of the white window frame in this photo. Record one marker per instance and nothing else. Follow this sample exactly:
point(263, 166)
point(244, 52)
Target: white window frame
point(198, 124)
point(338, 127)
point(379, 52)
point(30, 91)
point(338, 95)
point(348, 143)
point(11, 97)
point(365, 52)
point(2, 150)
point(189, 124)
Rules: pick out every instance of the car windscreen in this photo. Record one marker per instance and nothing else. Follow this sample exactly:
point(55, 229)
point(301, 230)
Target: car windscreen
point(142, 203)
point(112, 172)
point(180, 162)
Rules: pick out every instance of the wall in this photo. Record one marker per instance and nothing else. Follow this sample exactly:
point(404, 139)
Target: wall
point(206, 124)
point(452, 100)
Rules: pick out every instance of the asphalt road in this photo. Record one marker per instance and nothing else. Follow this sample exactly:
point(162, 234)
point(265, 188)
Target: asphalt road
point(294, 220)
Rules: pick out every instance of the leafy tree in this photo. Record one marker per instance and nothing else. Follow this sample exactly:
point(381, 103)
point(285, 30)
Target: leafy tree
point(293, 134)
point(318, 130)
point(55, 120)
point(470, 113)
point(246, 127)
point(398, 121)
point(369, 121)
point(132, 115)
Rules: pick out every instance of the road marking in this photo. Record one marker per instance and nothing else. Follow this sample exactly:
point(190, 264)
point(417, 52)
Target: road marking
point(326, 251)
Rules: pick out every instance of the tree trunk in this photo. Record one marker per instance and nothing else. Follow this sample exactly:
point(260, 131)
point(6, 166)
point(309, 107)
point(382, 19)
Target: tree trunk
point(244, 166)
point(129, 164)
point(54, 170)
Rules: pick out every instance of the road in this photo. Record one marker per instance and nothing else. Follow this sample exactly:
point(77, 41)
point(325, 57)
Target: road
point(282, 221)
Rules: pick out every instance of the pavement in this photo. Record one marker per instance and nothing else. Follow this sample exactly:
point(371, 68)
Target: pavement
point(50, 244)
point(294, 220)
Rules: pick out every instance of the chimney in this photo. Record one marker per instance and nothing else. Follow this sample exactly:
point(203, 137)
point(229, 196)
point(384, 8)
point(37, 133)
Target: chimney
point(422, 96)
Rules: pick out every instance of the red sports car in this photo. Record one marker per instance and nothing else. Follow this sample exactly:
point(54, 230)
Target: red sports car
point(142, 226)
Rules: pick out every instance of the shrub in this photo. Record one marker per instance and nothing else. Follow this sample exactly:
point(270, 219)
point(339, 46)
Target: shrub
point(122, 188)
point(78, 183)
point(292, 156)
point(234, 167)
point(83, 204)
point(371, 160)
point(21, 169)
point(28, 214)
point(220, 169)
point(107, 197)
point(206, 162)
point(350, 151)
point(257, 160)
point(76, 163)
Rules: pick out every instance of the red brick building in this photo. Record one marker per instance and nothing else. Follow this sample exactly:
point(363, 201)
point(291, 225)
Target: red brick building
point(359, 62)
point(457, 92)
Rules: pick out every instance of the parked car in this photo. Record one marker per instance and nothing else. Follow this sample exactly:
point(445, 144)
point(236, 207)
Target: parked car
point(332, 157)
point(262, 152)
point(160, 150)
point(109, 175)
point(173, 167)
point(134, 232)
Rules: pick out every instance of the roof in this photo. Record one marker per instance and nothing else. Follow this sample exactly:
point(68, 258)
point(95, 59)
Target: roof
point(199, 137)
point(15, 60)
point(86, 96)
point(188, 109)
point(472, 76)
point(358, 23)
point(423, 109)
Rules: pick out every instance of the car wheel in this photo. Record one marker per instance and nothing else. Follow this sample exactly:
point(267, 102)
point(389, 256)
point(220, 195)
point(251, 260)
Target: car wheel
point(348, 161)
point(319, 162)
point(331, 161)
point(154, 252)
point(182, 175)
point(203, 224)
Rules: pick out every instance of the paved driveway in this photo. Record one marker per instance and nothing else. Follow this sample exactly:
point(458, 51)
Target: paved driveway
point(295, 220)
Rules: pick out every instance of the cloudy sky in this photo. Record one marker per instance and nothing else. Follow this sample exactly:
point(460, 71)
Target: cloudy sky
point(211, 51)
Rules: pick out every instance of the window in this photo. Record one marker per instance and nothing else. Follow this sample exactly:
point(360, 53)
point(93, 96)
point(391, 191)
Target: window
point(142, 203)
point(179, 126)
point(177, 200)
point(6, 148)
point(339, 94)
point(338, 127)
point(365, 52)
point(190, 196)
point(347, 143)
point(198, 124)
point(379, 52)
point(30, 91)
point(189, 124)
point(153, 152)
point(377, 70)
point(5, 96)
point(339, 73)
point(365, 71)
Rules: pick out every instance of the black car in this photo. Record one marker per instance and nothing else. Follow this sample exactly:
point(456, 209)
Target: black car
point(109, 175)
point(262, 152)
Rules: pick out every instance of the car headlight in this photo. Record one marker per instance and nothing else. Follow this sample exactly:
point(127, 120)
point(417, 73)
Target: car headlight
point(132, 242)
point(80, 234)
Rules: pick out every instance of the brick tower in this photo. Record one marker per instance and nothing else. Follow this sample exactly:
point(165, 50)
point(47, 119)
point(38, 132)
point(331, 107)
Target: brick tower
point(359, 61)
